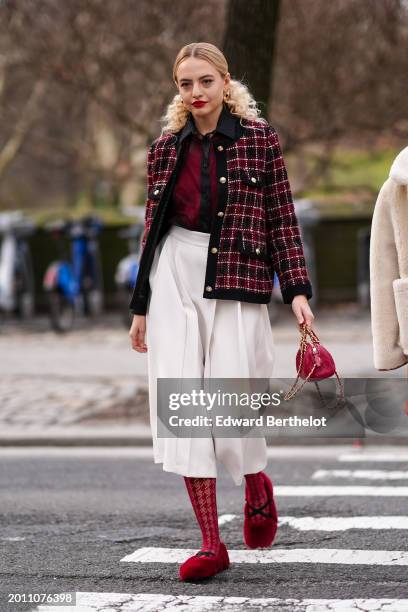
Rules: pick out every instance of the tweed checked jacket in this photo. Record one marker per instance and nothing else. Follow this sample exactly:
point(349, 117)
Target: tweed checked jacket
point(255, 229)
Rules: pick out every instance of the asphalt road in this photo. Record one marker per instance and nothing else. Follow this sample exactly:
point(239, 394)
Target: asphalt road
point(70, 516)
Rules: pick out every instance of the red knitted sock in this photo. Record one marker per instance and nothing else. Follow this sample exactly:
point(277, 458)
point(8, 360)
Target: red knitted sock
point(202, 492)
point(256, 494)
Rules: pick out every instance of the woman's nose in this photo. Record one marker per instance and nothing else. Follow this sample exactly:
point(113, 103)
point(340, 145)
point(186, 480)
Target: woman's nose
point(196, 90)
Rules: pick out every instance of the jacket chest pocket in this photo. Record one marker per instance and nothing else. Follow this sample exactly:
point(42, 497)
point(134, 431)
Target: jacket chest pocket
point(253, 180)
point(251, 247)
point(250, 187)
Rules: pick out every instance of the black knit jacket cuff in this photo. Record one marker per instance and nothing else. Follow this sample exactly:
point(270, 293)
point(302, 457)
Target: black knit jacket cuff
point(290, 292)
point(139, 308)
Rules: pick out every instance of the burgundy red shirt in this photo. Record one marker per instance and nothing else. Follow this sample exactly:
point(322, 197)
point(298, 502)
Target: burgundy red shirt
point(194, 198)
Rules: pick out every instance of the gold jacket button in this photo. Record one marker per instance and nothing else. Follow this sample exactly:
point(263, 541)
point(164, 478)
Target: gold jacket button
point(220, 214)
point(253, 179)
point(214, 250)
point(220, 148)
point(223, 179)
point(208, 288)
point(257, 250)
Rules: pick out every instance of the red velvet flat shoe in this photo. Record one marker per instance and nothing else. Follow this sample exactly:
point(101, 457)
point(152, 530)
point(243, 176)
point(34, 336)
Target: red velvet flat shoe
point(204, 564)
point(262, 534)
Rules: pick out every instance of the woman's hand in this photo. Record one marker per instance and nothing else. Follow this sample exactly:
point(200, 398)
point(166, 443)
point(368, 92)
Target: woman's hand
point(301, 310)
point(137, 333)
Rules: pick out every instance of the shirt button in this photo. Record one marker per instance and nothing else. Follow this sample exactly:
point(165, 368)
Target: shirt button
point(220, 214)
point(214, 250)
point(208, 288)
point(156, 191)
point(257, 250)
point(223, 179)
point(220, 148)
point(253, 179)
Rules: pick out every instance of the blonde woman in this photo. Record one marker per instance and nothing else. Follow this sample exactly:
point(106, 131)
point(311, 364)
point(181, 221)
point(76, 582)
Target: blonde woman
point(219, 221)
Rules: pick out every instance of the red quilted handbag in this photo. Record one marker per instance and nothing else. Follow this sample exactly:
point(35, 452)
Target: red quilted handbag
point(313, 363)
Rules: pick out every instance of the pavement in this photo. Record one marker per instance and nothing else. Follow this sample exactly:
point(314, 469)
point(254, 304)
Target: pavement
point(88, 387)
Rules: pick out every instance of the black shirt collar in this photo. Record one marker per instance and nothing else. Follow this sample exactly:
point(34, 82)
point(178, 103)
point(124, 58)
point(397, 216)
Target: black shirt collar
point(226, 125)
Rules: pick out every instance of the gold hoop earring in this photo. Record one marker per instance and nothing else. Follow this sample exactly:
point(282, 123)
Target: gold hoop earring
point(227, 95)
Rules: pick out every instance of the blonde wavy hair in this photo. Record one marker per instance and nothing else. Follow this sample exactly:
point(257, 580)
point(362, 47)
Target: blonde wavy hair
point(240, 101)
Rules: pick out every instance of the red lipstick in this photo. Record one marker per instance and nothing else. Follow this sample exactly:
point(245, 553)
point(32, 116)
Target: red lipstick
point(199, 104)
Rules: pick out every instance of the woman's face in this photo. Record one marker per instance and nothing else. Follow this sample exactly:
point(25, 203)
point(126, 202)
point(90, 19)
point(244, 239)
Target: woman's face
point(200, 81)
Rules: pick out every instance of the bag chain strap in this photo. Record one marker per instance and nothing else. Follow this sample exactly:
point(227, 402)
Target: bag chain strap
point(307, 331)
point(303, 345)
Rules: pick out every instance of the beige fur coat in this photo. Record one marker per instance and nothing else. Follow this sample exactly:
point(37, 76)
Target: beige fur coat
point(389, 269)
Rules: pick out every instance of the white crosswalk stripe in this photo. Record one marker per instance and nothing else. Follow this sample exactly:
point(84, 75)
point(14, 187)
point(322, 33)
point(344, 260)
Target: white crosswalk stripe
point(367, 474)
point(396, 455)
point(226, 518)
point(334, 523)
point(128, 602)
point(150, 554)
point(342, 523)
point(344, 491)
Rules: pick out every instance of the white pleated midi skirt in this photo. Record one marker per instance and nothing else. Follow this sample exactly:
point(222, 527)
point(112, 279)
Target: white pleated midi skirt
point(189, 336)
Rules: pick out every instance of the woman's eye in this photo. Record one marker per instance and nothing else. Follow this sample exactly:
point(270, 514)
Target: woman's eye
point(187, 84)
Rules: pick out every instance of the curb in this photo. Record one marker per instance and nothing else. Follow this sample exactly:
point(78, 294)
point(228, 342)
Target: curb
point(140, 436)
point(131, 435)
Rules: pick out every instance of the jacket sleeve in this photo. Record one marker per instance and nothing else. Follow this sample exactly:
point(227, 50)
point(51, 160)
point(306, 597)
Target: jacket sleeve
point(149, 204)
point(282, 226)
point(384, 269)
point(138, 306)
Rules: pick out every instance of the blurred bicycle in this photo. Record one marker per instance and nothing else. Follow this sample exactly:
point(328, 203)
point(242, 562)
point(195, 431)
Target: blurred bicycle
point(75, 287)
point(17, 288)
point(127, 270)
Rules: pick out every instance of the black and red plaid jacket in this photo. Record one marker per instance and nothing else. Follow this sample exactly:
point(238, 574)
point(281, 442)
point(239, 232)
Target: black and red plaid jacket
point(255, 230)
